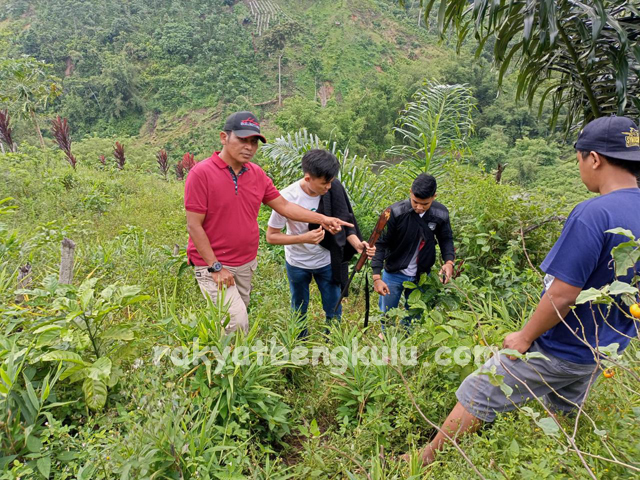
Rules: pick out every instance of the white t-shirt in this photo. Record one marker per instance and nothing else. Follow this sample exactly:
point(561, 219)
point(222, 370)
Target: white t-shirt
point(412, 268)
point(302, 255)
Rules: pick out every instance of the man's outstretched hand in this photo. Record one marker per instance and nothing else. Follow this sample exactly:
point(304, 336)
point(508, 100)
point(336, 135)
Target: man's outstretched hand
point(334, 225)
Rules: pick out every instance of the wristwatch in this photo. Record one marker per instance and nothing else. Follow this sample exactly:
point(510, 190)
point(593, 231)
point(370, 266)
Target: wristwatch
point(216, 267)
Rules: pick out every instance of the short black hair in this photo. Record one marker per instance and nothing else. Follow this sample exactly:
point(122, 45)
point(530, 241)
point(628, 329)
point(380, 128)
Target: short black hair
point(320, 164)
point(629, 166)
point(424, 186)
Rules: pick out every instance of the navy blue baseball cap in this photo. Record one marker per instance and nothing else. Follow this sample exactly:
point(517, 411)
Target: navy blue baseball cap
point(613, 137)
point(244, 124)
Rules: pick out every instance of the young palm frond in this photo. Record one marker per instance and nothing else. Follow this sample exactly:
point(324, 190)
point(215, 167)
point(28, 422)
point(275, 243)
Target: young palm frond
point(434, 127)
point(285, 154)
point(284, 165)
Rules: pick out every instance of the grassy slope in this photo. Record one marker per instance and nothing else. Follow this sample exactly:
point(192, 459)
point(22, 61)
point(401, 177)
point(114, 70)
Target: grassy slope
point(126, 222)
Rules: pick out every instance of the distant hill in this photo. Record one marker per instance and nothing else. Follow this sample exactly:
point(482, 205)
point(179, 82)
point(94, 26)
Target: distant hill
point(170, 70)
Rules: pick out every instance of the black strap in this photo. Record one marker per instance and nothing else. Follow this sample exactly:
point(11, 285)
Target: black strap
point(366, 300)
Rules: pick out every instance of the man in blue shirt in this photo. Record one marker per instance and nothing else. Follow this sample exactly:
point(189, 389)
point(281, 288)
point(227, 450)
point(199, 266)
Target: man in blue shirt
point(608, 153)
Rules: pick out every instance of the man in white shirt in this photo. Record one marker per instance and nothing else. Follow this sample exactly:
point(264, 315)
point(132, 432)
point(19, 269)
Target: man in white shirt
point(306, 258)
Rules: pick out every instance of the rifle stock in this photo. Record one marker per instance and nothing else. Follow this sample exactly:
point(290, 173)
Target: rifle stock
point(375, 235)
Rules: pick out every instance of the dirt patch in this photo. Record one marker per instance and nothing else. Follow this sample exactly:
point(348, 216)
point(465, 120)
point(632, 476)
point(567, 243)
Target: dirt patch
point(149, 127)
point(70, 67)
point(325, 92)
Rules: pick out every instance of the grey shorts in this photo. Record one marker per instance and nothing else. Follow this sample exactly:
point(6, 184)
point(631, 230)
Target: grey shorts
point(561, 384)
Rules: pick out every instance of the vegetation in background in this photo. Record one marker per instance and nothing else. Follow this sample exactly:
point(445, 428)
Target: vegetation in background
point(94, 379)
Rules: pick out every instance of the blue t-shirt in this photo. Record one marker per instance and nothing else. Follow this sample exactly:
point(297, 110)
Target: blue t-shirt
point(582, 257)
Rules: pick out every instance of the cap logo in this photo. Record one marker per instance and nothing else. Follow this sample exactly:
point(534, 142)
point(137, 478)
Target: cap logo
point(249, 122)
point(633, 137)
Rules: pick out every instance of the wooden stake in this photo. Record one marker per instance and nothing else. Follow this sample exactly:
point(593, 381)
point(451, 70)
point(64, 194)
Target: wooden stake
point(24, 280)
point(66, 261)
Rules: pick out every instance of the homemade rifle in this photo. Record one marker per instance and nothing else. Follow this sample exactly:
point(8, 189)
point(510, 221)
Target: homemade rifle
point(377, 231)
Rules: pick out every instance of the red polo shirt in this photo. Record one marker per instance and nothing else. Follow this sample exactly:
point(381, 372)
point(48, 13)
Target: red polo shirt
point(231, 211)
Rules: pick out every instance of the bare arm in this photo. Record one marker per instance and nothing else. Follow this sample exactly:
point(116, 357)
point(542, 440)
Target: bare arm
point(203, 245)
point(360, 245)
point(297, 213)
point(561, 297)
point(276, 237)
point(199, 237)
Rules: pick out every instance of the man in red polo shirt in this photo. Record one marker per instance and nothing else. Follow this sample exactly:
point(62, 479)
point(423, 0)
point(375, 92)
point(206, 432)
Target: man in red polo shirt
point(222, 198)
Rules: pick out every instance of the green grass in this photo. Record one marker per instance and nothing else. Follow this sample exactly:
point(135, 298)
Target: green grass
point(125, 224)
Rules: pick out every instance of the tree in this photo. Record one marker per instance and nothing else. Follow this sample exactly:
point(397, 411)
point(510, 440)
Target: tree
point(26, 87)
point(584, 55)
point(434, 125)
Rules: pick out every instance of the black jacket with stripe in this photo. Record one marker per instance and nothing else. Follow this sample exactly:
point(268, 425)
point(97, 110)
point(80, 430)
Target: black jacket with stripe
point(402, 235)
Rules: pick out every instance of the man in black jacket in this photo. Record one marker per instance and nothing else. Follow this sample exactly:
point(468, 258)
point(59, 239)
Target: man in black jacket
point(311, 253)
point(407, 249)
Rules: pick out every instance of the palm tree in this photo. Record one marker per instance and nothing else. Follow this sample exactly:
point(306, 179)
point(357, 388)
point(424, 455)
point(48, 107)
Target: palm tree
point(582, 56)
point(433, 126)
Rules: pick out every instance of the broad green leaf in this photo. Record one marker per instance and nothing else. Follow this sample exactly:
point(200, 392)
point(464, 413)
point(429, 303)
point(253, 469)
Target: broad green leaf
point(85, 298)
point(313, 428)
point(44, 466)
point(440, 337)
point(95, 393)
point(618, 288)
point(610, 350)
point(107, 292)
point(73, 315)
point(506, 389)
point(549, 426)
point(119, 333)
point(100, 369)
point(626, 256)
point(129, 290)
point(33, 398)
point(67, 456)
point(34, 445)
point(529, 355)
point(511, 352)
point(5, 377)
point(622, 231)
point(514, 448)
point(78, 370)
point(46, 390)
point(47, 328)
point(62, 356)
point(593, 295)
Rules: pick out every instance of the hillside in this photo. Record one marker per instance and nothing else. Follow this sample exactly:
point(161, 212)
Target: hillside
point(170, 71)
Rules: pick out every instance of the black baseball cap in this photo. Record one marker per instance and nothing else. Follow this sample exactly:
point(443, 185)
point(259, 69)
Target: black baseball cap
point(243, 125)
point(614, 137)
